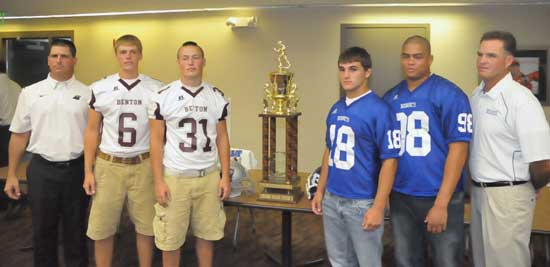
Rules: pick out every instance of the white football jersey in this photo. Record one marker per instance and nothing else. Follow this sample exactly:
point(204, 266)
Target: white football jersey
point(191, 119)
point(125, 127)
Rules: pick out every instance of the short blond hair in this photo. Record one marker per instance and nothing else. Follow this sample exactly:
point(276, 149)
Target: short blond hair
point(128, 39)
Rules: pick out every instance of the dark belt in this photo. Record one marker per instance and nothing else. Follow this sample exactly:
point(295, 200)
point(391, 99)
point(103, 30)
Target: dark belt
point(496, 184)
point(132, 160)
point(60, 164)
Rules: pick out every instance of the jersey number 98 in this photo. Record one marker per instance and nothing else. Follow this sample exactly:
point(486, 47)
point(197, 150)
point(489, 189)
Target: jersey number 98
point(409, 132)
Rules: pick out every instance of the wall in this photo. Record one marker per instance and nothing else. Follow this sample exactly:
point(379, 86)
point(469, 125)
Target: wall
point(239, 61)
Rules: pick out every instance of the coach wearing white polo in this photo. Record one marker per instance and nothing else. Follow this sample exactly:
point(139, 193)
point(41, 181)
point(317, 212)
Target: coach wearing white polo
point(51, 117)
point(510, 148)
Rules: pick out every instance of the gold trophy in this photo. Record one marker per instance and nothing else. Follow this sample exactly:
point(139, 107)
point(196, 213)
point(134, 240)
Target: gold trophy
point(280, 102)
point(280, 92)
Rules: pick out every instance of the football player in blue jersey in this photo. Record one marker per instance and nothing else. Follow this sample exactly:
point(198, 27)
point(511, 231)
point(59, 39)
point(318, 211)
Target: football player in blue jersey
point(358, 169)
point(427, 201)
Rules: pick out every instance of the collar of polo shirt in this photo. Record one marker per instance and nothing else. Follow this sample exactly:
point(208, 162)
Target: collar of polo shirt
point(55, 83)
point(499, 87)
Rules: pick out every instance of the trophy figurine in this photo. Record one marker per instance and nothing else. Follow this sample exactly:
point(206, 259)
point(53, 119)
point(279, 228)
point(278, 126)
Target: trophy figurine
point(280, 92)
point(279, 183)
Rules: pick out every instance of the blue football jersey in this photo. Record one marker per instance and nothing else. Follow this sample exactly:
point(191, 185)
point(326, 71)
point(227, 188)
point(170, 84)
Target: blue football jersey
point(357, 139)
point(433, 115)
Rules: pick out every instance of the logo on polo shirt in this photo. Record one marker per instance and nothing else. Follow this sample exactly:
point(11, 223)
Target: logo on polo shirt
point(180, 98)
point(41, 95)
point(395, 97)
point(335, 111)
point(492, 112)
point(115, 88)
point(76, 97)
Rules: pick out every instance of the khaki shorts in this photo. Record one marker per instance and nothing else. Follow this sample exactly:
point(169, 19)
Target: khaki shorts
point(116, 182)
point(194, 200)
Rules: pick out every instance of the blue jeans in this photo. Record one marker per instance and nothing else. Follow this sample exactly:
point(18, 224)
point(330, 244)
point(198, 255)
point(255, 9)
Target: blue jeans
point(348, 245)
point(410, 232)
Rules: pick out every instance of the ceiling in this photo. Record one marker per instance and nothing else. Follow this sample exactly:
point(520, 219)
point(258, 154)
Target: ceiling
point(54, 7)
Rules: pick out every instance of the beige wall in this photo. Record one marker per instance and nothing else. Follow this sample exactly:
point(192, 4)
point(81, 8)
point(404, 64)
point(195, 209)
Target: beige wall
point(238, 61)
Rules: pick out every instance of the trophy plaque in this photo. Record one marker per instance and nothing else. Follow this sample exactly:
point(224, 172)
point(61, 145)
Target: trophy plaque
point(280, 103)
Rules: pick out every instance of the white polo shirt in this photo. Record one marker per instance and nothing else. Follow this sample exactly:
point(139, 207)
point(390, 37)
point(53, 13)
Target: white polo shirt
point(510, 131)
point(9, 92)
point(55, 113)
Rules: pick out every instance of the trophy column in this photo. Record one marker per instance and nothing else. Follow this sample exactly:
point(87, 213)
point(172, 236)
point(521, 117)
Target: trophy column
point(292, 147)
point(280, 187)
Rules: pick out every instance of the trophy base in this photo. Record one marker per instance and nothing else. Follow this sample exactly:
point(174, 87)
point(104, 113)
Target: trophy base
point(277, 191)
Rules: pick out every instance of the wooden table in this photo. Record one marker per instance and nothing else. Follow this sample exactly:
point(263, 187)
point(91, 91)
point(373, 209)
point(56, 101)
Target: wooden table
point(21, 172)
point(14, 207)
point(286, 209)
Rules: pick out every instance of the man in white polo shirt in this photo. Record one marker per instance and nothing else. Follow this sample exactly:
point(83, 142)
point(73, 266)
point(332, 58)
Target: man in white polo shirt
point(122, 174)
point(510, 148)
point(9, 92)
point(189, 114)
point(51, 117)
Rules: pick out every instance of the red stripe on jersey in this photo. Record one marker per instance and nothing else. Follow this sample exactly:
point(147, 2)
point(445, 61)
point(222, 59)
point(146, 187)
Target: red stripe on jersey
point(216, 89)
point(129, 86)
point(157, 112)
point(92, 101)
point(224, 112)
point(191, 93)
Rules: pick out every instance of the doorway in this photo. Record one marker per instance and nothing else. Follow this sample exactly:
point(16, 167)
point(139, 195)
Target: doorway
point(383, 42)
point(26, 54)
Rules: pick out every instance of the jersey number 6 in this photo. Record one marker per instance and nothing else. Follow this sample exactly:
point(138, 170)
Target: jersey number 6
point(122, 130)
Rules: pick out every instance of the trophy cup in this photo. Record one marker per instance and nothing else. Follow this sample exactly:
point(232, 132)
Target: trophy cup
point(280, 102)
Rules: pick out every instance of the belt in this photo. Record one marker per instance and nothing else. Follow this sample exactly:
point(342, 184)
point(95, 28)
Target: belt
point(132, 160)
point(60, 164)
point(191, 173)
point(497, 184)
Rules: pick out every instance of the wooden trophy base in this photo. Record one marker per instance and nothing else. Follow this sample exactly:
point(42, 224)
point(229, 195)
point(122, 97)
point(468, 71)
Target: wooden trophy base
point(280, 191)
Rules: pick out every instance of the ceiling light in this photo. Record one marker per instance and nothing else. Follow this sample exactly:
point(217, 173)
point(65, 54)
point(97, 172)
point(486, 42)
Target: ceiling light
point(241, 22)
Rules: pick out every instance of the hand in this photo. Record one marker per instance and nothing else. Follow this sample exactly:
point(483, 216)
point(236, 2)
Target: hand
point(436, 219)
point(224, 188)
point(12, 188)
point(317, 203)
point(537, 193)
point(89, 184)
point(373, 219)
point(162, 193)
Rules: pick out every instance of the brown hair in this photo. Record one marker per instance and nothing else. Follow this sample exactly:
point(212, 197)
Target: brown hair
point(128, 39)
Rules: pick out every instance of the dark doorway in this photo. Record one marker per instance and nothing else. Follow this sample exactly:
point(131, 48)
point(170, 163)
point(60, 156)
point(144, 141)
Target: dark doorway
point(26, 59)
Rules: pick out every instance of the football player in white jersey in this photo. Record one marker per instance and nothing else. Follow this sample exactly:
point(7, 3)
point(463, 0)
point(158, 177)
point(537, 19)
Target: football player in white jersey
point(118, 122)
point(187, 180)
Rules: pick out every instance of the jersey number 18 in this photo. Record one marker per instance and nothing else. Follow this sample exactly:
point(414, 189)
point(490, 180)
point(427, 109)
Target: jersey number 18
point(341, 146)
